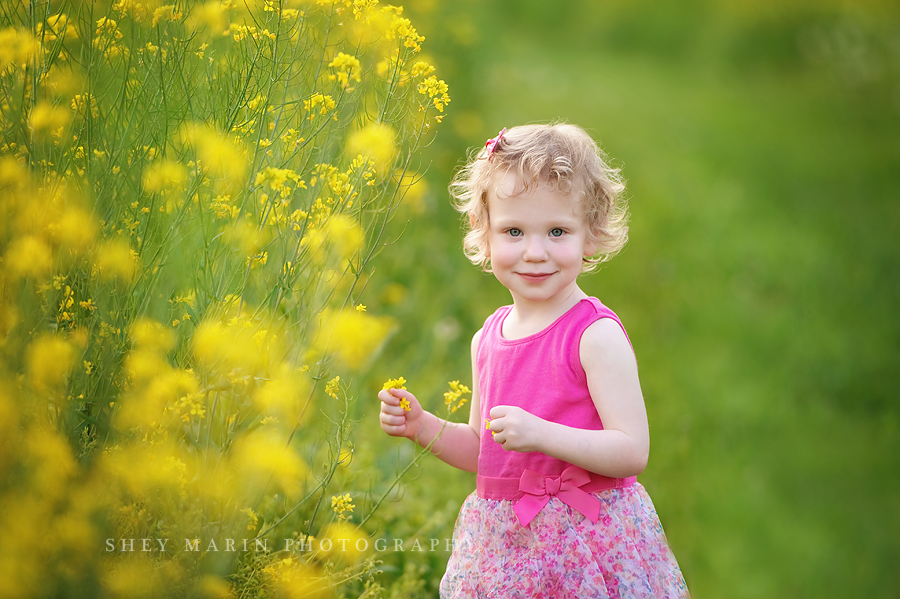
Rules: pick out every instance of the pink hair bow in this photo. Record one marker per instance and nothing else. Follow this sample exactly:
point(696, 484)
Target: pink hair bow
point(539, 489)
point(491, 144)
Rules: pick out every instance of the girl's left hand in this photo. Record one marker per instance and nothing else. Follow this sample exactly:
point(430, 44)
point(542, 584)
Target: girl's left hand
point(515, 429)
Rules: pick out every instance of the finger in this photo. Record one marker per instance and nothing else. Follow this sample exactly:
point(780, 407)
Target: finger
point(386, 397)
point(394, 431)
point(393, 419)
point(395, 410)
point(498, 412)
point(402, 394)
point(504, 442)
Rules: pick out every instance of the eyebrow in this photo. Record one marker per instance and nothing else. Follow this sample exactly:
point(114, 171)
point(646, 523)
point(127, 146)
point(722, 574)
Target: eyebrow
point(556, 222)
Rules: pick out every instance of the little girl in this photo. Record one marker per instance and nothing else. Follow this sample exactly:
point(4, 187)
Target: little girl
point(557, 511)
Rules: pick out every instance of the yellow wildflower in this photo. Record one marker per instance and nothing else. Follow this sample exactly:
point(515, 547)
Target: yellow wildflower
point(435, 89)
point(82, 103)
point(190, 405)
point(342, 505)
point(17, 47)
point(75, 229)
point(332, 387)
point(284, 394)
point(47, 117)
point(397, 383)
point(163, 174)
point(293, 578)
point(28, 256)
point(253, 518)
point(223, 208)
point(264, 455)
point(116, 259)
point(291, 138)
point(56, 26)
point(277, 179)
point(421, 69)
point(346, 68)
point(49, 360)
point(339, 238)
point(151, 335)
point(402, 29)
point(258, 259)
point(344, 542)
point(361, 6)
point(147, 470)
point(220, 156)
point(165, 13)
point(211, 15)
point(244, 236)
point(354, 337)
point(108, 27)
point(454, 398)
point(325, 103)
point(376, 141)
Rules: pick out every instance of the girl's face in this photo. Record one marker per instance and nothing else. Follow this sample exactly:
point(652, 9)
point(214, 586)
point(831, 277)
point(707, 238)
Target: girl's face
point(537, 241)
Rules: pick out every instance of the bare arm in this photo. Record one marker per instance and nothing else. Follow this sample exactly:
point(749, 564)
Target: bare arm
point(458, 445)
point(622, 448)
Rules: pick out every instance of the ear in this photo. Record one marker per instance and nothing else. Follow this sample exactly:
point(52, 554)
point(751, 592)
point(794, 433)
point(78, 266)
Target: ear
point(590, 246)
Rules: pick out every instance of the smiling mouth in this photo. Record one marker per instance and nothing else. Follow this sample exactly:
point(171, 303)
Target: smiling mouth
point(535, 276)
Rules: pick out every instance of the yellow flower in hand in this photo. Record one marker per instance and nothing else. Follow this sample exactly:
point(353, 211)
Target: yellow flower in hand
point(397, 383)
point(394, 384)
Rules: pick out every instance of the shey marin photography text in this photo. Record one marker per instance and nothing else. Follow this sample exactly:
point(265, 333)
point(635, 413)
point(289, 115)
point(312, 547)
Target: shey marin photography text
point(310, 544)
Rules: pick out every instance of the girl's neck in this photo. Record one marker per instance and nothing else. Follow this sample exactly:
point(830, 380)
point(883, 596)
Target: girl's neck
point(527, 318)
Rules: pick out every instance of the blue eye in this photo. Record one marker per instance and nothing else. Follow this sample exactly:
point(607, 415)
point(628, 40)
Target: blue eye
point(515, 233)
point(557, 232)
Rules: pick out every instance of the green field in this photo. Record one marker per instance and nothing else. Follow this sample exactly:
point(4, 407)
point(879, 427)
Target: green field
point(762, 152)
point(203, 286)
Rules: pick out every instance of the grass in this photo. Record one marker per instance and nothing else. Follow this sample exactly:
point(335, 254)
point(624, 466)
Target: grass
point(758, 287)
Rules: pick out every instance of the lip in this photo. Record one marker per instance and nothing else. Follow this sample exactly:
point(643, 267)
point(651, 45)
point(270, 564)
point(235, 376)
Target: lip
point(535, 277)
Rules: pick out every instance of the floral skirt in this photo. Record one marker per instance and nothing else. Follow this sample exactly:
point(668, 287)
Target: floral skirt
point(561, 553)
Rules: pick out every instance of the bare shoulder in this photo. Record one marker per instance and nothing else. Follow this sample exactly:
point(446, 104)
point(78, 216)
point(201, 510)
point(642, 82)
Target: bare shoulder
point(612, 377)
point(604, 343)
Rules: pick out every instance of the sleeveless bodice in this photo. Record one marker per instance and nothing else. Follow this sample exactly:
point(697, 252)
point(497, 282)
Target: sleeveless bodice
point(540, 373)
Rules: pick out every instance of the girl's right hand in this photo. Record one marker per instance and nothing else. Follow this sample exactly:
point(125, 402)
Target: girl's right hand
point(397, 421)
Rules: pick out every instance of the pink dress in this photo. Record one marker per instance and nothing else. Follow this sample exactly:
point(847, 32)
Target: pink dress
point(537, 526)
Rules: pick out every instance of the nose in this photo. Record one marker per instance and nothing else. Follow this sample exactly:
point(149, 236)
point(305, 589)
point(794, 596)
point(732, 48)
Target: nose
point(534, 249)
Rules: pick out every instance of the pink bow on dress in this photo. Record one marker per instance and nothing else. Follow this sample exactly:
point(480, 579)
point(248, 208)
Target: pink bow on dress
point(539, 489)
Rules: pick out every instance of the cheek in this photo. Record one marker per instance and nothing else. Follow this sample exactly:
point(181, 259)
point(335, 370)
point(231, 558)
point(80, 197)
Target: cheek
point(501, 253)
point(570, 251)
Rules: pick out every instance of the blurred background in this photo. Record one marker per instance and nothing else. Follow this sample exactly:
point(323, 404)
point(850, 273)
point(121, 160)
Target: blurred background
point(761, 146)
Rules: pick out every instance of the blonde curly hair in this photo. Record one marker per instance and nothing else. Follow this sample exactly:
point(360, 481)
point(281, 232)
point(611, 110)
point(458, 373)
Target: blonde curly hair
point(560, 155)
